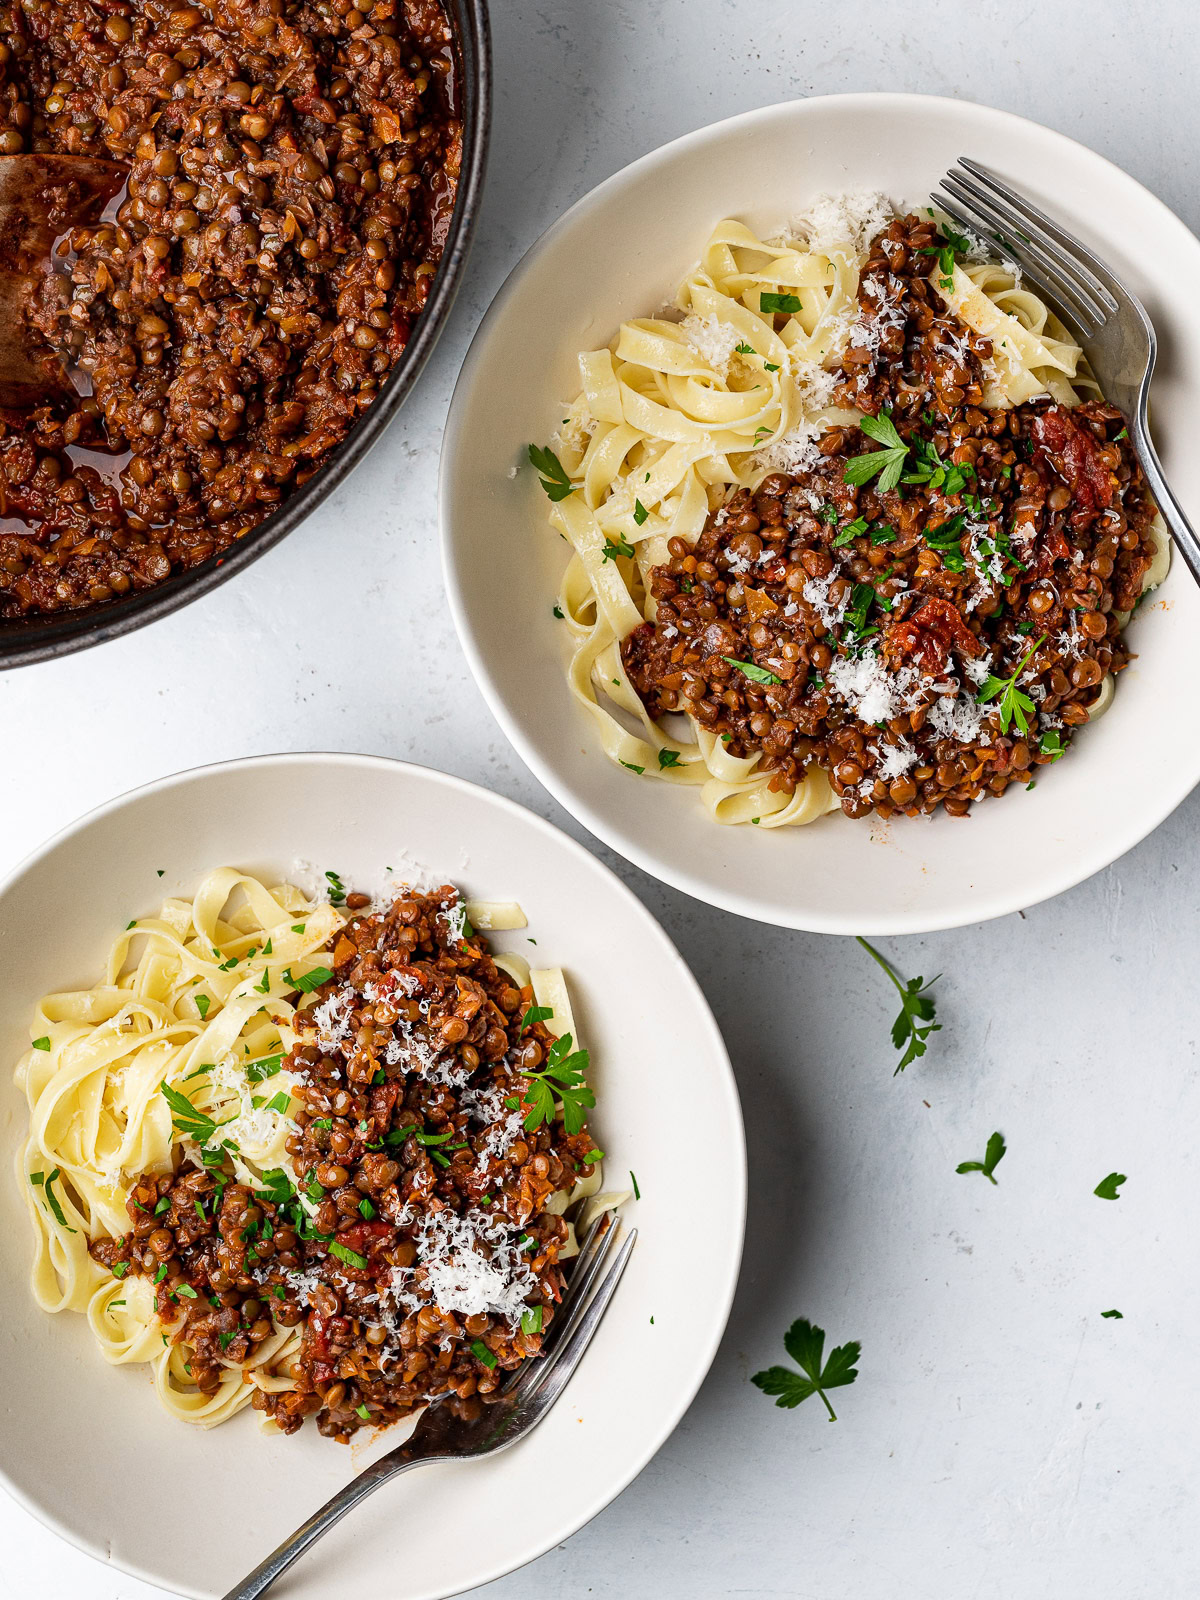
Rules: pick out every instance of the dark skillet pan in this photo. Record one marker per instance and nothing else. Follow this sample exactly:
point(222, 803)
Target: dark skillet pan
point(44, 638)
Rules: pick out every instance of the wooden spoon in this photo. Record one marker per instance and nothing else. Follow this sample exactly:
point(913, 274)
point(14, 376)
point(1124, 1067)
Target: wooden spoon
point(41, 198)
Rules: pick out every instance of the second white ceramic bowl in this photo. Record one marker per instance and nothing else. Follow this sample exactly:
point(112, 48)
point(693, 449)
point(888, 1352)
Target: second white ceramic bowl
point(620, 253)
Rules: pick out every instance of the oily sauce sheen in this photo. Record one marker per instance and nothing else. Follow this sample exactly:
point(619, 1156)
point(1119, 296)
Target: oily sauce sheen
point(292, 171)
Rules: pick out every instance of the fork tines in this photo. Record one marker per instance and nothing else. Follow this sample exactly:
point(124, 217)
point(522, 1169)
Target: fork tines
point(1051, 258)
point(580, 1314)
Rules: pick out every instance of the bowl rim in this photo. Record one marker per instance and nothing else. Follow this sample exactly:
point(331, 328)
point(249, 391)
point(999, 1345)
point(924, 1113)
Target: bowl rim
point(26, 643)
point(726, 896)
point(721, 1293)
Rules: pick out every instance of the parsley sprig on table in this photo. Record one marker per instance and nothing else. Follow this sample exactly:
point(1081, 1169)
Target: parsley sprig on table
point(917, 1010)
point(560, 1079)
point(888, 462)
point(806, 1346)
point(554, 478)
point(992, 1156)
point(1014, 704)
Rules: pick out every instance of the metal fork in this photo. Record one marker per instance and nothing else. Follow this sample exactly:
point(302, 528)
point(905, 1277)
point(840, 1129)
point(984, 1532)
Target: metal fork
point(442, 1436)
point(1111, 323)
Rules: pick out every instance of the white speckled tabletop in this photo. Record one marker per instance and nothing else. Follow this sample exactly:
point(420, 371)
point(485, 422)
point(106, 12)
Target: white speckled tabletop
point(1003, 1440)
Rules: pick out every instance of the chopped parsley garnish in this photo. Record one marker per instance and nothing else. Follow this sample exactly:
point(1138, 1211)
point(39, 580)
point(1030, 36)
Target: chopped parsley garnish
point(882, 533)
point(1106, 1188)
point(363, 1412)
point(481, 1350)
point(917, 1010)
point(639, 513)
point(120, 1268)
point(308, 981)
point(44, 1180)
point(337, 889)
point(531, 1321)
point(1114, 1313)
point(956, 244)
point(561, 1078)
point(264, 1067)
point(163, 1205)
point(536, 1014)
point(226, 1339)
point(161, 1273)
point(750, 670)
point(592, 1157)
point(617, 547)
point(637, 1193)
point(993, 1155)
point(633, 767)
point(298, 927)
point(667, 758)
point(279, 1102)
point(557, 611)
point(264, 984)
point(188, 1293)
point(42, 1044)
point(199, 1210)
point(187, 1121)
point(786, 303)
point(745, 349)
point(929, 468)
point(806, 1345)
point(367, 1209)
point(347, 1255)
point(861, 598)
point(1124, 434)
point(946, 539)
point(852, 530)
point(552, 473)
point(1051, 744)
point(1015, 704)
point(888, 463)
point(202, 1005)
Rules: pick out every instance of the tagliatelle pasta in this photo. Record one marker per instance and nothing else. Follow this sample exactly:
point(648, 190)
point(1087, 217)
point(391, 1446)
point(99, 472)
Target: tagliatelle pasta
point(680, 412)
point(187, 1077)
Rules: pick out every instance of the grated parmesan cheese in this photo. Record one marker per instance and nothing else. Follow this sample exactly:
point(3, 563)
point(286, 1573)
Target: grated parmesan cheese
point(713, 341)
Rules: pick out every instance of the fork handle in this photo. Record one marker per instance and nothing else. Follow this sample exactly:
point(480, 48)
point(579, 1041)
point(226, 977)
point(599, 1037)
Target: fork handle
point(281, 1558)
point(1182, 531)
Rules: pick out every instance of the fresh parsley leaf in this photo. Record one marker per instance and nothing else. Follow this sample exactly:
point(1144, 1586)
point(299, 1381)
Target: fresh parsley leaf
point(787, 303)
point(1124, 434)
point(43, 1043)
point(531, 1321)
point(202, 1004)
point(618, 546)
point(917, 1010)
point(536, 1014)
point(350, 1257)
point(888, 463)
point(188, 1123)
point(639, 513)
point(852, 530)
point(806, 1344)
point(1114, 1313)
point(633, 767)
point(553, 475)
point(308, 981)
point(52, 1199)
point(562, 1078)
point(557, 611)
point(637, 1193)
point(1107, 1187)
point(750, 670)
point(1051, 744)
point(745, 349)
point(479, 1349)
point(667, 758)
point(1015, 705)
point(363, 1412)
point(367, 1209)
point(995, 1152)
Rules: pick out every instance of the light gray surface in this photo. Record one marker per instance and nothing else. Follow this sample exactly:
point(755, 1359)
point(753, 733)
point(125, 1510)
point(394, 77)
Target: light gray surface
point(1003, 1440)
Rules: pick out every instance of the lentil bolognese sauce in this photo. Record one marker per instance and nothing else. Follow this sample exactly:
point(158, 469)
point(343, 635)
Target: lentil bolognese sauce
point(857, 529)
point(431, 1137)
point(928, 607)
point(292, 171)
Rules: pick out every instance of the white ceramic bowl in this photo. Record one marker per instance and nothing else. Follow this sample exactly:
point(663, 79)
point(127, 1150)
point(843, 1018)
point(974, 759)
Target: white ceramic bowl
point(620, 253)
point(86, 1447)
